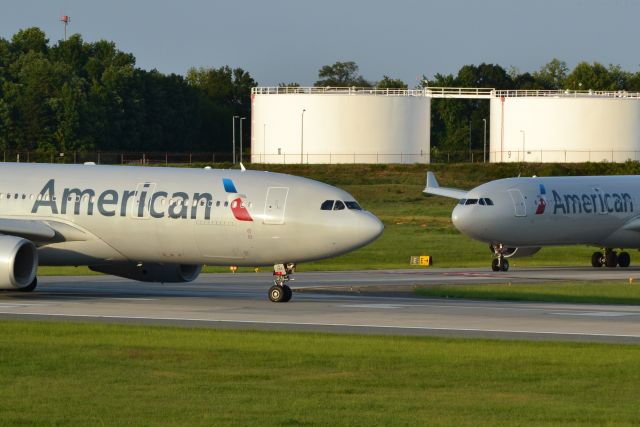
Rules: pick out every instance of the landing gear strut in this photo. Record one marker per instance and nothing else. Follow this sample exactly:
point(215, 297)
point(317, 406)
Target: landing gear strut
point(280, 291)
point(610, 259)
point(499, 263)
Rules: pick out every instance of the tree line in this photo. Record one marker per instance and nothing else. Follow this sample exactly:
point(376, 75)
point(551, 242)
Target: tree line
point(80, 96)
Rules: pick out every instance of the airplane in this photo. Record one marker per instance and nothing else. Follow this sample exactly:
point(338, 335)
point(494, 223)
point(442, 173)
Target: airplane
point(160, 224)
point(516, 217)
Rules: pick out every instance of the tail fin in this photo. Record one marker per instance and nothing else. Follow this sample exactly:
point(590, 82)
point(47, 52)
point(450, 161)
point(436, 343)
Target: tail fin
point(432, 187)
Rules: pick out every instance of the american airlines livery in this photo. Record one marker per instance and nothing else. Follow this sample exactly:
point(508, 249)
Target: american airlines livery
point(517, 216)
point(157, 224)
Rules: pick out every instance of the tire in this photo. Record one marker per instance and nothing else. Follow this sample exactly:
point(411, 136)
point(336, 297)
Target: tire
point(276, 293)
point(624, 259)
point(505, 265)
point(494, 265)
point(31, 287)
point(288, 293)
point(596, 259)
point(611, 259)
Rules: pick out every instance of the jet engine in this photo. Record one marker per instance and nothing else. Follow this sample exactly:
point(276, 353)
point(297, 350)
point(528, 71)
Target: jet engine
point(517, 252)
point(153, 272)
point(18, 262)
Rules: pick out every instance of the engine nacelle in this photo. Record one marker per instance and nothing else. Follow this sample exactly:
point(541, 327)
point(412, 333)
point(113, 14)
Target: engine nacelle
point(517, 252)
point(18, 262)
point(164, 273)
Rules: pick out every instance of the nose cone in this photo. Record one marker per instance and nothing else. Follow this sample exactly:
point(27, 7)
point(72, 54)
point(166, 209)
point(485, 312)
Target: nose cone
point(368, 228)
point(461, 219)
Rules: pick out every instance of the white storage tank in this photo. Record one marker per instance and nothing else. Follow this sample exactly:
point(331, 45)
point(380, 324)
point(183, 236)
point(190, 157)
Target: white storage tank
point(564, 127)
point(339, 125)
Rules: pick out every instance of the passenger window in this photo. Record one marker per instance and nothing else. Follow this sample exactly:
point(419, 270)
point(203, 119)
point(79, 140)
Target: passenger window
point(226, 204)
point(353, 205)
point(327, 205)
point(218, 204)
point(338, 206)
point(471, 201)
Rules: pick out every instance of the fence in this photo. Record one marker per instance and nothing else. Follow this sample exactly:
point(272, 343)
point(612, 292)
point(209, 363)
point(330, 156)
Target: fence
point(436, 156)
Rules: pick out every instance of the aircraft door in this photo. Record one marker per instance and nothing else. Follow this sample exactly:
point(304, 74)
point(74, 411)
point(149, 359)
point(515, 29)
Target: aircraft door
point(275, 204)
point(520, 208)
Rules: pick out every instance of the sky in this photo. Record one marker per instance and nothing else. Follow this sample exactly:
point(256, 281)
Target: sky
point(289, 40)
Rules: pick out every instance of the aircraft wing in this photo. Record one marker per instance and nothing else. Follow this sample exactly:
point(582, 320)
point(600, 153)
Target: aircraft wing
point(29, 229)
point(633, 224)
point(432, 187)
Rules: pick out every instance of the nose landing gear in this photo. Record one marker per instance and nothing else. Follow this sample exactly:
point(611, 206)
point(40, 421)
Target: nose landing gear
point(499, 262)
point(610, 259)
point(280, 291)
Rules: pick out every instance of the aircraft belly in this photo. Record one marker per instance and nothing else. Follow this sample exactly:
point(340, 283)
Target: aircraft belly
point(77, 253)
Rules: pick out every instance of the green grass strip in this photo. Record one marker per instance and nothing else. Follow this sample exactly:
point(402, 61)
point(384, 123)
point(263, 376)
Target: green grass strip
point(605, 292)
point(99, 374)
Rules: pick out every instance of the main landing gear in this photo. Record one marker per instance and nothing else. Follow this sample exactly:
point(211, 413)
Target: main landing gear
point(280, 291)
point(610, 259)
point(499, 262)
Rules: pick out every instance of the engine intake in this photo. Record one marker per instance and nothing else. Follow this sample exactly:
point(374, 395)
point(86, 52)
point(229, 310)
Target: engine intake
point(18, 262)
point(164, 273)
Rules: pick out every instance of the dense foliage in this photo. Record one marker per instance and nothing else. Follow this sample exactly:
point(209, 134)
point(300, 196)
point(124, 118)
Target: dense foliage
point(90, 96)
point(79, 96)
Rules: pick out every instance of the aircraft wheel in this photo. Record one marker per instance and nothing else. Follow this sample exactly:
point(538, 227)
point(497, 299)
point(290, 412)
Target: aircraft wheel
point(495, 265)
point(276, 293)
point(624, 259)
point(288, 293)
point(611, 259)
point(31, 286)
point(596, 259)
point(505, 265)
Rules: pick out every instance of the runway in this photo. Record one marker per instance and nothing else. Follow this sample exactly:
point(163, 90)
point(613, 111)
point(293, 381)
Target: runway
point(360, 302)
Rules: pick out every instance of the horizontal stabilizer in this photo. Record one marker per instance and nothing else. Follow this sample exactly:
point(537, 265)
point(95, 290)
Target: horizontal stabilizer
point(432, 187)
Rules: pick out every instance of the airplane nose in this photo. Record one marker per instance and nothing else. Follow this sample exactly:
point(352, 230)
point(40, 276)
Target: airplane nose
point(460, 219)
point(371, 227)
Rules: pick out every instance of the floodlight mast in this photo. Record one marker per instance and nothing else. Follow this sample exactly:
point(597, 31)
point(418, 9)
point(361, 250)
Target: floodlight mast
point(65, 19)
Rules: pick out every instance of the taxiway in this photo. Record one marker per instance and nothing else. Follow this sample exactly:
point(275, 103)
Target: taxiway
point(371, 302)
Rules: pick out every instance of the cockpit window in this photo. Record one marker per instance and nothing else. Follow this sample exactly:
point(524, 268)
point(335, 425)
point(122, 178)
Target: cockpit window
point(488, 201)
point(462, 201)
point(338, 206)
point(327, 205)
point(471, 201)
point(481, 201)
point(353, 205)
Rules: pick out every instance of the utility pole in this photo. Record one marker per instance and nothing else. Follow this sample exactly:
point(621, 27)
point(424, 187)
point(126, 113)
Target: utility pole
point(65, 19)
point(484, 154)
point(233, 139)
point(302, 137)
point(241, 119)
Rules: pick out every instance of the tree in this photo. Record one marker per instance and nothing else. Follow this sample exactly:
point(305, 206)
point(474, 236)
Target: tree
point(552, 75)
point(389, 83)
point(341, 74)
point(594, 76)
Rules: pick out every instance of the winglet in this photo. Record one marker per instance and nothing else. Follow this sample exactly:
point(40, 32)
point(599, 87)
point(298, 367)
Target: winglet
point(242, 168)
point(432, 187)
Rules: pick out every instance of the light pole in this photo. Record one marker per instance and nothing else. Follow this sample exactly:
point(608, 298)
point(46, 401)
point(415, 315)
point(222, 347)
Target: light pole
point(523, 152)
point(241, 119)
point(470, 153)
point(302, 137)
point(484, 154)
point(233, 139)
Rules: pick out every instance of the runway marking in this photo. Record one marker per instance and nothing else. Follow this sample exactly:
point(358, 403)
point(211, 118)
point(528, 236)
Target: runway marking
point(18, 305)
point(383, 306)
point(596, 313)
point(343, 325)
point(132, 299)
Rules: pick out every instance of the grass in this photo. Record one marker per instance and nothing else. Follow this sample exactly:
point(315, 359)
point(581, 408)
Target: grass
point(603, 292)
point(98, 374)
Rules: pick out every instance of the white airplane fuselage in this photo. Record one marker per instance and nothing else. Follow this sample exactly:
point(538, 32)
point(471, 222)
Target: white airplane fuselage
point(106, 216)
point(533, 212)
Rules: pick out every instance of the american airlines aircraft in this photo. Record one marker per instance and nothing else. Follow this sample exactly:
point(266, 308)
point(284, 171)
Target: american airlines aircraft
point(161, 224)
point(517, 216)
